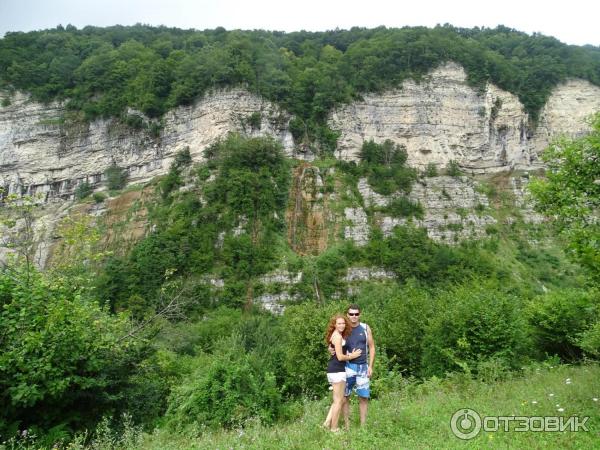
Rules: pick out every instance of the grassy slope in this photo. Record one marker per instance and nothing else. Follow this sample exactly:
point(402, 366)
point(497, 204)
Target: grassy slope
point(418, 416)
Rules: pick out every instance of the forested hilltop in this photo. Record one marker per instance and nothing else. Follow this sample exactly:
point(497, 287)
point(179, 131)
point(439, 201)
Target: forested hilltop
point(102, 71)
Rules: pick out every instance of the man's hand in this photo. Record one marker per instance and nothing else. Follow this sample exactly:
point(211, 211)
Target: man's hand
point(331, 350)
point(369, 372)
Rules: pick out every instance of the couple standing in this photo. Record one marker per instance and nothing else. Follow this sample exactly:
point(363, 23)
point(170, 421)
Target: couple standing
point(349, 369)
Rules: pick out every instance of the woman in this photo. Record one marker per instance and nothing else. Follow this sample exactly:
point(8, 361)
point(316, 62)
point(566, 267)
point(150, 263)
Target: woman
point(338, 330)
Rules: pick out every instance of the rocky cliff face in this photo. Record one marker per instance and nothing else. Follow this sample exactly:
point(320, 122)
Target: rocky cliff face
point(439, 119)
point(42, 154)
point(442, 118)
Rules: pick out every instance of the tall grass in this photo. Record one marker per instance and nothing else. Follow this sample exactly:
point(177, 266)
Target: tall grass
point(418, 416)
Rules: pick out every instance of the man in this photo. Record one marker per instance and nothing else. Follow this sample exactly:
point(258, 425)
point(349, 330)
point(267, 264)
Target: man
point(359, 370)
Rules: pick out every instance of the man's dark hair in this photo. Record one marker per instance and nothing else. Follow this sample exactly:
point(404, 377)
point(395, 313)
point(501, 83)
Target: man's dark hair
point(353, 306)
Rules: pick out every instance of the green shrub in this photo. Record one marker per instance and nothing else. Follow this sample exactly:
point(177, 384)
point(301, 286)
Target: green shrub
point(76, 361)
point(474, 323)
point(225, 390)
point(254, 120)
point(183, 158)
point(410, 253)
point(135, 121)
point(398, 317)
point(298, 129)
point(116, 177)
point(453, 169)
point(306, 354)
point(169, 182)
point(590, 339)
point(99, 197)
point(201, 336)
point(404, 207)
point(385, 167)
point(431, 170)
point(83, 190)
point(558, 318)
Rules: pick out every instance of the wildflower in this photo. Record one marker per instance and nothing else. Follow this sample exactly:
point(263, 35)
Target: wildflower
point(557, 405)
point(568, 381)
point(595, 399)
point(534, 402)
point(550, 395)
point(561, 409)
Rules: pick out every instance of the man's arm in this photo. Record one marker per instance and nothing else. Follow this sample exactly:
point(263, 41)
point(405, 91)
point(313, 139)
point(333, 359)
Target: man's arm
point(371, 344)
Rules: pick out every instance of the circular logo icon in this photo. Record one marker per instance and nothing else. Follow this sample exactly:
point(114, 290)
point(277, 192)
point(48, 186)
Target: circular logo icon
point(465, 424)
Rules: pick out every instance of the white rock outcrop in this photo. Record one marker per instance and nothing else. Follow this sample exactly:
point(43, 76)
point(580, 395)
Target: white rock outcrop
point(442, 118)
point(39, 154)
point(439, 119)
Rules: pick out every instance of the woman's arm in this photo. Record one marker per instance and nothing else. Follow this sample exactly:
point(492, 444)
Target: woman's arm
point(336, 339)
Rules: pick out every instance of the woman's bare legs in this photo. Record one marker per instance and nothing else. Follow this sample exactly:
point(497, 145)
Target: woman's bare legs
point(327, 423)
point(336, 407)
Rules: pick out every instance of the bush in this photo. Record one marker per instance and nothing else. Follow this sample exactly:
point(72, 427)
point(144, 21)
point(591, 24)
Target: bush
point(183, 158)
point(474, 323)
point(225, 390)
point(398, 317)
point(306, 354)
point(590, 340)
point(254, 120)
point(558, 318)
point(431, 170)
point(99, 197)
point(83, 190)
point(385, 167)
point(63, 359)
point(116, 177)
point(453, 169)
point(404, 207)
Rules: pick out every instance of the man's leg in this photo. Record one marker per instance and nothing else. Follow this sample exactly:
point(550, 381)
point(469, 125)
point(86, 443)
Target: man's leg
point(363, 389)
point(363, 404)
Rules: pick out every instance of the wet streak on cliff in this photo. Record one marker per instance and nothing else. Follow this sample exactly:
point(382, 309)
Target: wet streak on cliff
point(306, 213)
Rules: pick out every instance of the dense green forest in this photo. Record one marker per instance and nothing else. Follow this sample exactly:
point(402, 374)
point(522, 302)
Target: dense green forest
point(101, 71)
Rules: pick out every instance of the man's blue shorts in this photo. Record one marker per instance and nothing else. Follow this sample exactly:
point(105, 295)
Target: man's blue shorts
point(356, 378)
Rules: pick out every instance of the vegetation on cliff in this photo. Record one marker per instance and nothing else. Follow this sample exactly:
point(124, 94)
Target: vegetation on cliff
point(103, 71)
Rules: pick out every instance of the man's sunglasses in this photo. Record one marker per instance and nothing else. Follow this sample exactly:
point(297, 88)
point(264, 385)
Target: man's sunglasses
point(354, 314)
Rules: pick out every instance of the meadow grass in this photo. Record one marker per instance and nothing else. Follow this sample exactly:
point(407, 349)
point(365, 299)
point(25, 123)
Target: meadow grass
point(418, 417)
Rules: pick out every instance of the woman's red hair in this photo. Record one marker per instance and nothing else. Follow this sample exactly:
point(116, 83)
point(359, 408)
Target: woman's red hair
point(331, 327)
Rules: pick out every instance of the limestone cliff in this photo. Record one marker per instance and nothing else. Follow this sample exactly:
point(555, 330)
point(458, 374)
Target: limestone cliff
point(442, 118)
point(439, 119)
point(42, 154)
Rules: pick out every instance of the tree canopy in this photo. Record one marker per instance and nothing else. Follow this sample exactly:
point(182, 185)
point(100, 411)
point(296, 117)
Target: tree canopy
point(570, 193)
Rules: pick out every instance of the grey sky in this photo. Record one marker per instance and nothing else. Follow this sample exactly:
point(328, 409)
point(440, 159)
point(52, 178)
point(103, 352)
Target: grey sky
point(572, 22)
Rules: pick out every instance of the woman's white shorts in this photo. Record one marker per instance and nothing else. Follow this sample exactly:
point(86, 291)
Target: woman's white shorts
point(336, 377)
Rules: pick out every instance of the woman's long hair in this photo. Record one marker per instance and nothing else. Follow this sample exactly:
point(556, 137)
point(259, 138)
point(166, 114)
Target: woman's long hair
point(331, 327)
